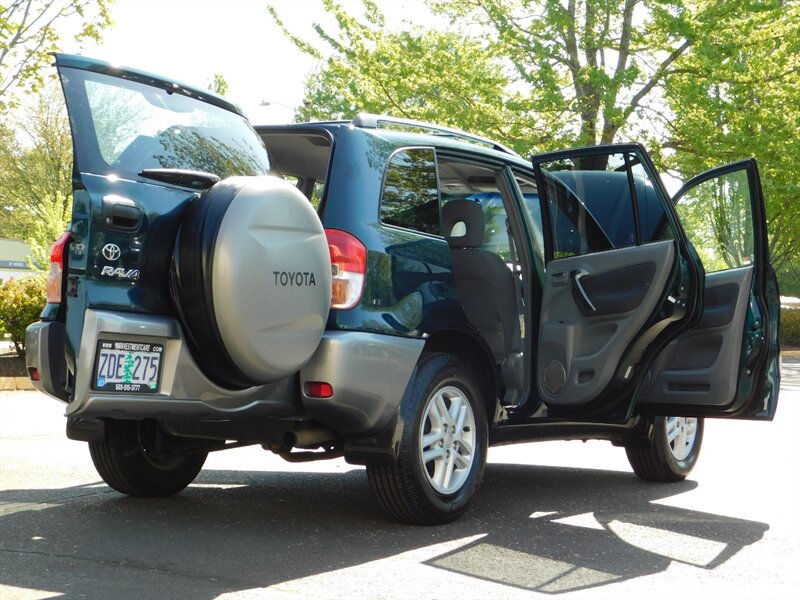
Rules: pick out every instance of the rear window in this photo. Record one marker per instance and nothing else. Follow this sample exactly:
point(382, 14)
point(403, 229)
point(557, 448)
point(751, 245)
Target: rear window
point(123, 127)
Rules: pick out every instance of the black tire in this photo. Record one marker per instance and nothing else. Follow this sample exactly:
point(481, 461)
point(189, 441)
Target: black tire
point(407, 490)
point(661, 461)
point(128, 462)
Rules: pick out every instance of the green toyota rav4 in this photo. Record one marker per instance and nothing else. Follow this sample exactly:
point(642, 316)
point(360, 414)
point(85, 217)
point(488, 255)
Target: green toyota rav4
point(397, 293)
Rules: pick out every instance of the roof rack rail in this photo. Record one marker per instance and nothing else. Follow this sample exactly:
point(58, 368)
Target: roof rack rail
point(370, 121)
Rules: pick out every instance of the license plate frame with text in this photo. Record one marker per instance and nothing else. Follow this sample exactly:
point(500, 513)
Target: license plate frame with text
point(124, 366)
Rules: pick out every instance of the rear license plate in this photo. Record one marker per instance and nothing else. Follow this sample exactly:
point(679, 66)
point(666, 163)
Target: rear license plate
point(128, 366)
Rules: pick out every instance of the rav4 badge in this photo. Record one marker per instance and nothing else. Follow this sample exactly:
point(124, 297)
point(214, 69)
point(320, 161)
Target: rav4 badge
point(120, 273)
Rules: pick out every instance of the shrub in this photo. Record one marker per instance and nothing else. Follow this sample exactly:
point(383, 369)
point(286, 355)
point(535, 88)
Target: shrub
point(21, 302)
point(789, 279)
point(790, 328)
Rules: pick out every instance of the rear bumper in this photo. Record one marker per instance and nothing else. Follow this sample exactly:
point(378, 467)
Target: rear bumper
point(44, 354)
point(368, 373)
point(185, 393)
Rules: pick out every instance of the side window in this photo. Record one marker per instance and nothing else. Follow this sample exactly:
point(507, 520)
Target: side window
point(468, 181)
point(301, 158)
point(593, 202)
point(717, 217)
point(410, 196)
point(533, 213)
point(312, 189)
point(653, 225)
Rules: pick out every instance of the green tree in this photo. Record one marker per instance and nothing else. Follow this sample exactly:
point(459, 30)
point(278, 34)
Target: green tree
point(445, 77)
point(21, 301)
point(701, 82)
point(29, 31)
point(547, 73)
point(218, 84)
point(738, 95)
point(36, 170)
point(717, 217)
point(586, 66)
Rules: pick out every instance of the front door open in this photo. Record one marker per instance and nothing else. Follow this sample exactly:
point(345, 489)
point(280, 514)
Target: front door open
point(727, 364)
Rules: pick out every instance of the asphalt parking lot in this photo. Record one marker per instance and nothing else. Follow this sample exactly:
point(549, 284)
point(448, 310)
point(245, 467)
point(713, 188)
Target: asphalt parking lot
point(563, 519)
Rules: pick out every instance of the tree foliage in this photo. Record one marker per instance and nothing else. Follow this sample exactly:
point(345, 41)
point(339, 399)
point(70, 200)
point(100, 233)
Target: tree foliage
point(701, 82)
point(218, 84)
point(30, 30)
point(36, 170)
point(738, 95)
point(586, 66)
point(717, 217)
point(539, 74)
point(445, 77)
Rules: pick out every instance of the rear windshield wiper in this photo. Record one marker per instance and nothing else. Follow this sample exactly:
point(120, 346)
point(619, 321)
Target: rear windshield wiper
point(199, 180)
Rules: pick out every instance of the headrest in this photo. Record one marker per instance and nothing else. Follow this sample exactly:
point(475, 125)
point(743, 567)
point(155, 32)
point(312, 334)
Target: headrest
point(463, 223)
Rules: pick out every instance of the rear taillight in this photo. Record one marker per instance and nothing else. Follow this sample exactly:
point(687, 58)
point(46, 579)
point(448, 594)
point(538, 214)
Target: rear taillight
point(348, 266)
point(56, 275)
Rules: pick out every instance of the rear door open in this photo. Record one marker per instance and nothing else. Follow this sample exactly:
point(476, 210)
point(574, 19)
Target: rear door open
point(621, 280)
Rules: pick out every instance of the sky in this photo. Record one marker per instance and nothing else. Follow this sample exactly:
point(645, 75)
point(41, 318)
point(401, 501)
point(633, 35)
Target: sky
point(191, 40)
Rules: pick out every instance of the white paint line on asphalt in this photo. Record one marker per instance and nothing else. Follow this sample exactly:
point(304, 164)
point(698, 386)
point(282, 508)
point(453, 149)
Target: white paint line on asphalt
point(10, 508)
point(218, 486)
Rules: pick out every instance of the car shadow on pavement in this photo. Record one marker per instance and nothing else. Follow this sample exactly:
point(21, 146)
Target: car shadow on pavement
point(541, 528)
point(560, 530)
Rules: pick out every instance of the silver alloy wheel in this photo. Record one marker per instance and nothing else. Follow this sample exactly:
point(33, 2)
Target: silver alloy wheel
point(681, 434)
point(447, 439)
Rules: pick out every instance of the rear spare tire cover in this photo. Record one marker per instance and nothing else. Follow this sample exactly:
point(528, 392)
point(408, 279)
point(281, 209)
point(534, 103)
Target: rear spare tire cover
point(252, 280)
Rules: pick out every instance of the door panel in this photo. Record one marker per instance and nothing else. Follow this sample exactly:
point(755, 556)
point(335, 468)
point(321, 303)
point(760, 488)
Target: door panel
point(612, 292)
point(698, 367)
point(726, 365)
point(580, 348)
point(620, 278)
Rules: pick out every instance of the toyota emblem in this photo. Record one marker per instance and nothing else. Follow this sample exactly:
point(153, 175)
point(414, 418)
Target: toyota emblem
point(111, 251)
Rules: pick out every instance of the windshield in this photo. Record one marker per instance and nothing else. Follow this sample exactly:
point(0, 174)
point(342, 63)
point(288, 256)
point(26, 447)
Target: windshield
point(122, 127)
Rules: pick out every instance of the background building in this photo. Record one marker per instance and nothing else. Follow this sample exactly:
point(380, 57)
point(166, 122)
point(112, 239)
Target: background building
point(14, 259)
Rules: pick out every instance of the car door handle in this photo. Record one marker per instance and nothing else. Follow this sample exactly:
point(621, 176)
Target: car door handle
point(576, 277)
point(121, 213)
